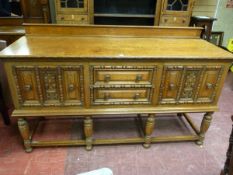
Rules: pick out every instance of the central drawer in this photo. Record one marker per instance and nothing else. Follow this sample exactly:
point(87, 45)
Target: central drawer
point(121, 96)
point(117, 75)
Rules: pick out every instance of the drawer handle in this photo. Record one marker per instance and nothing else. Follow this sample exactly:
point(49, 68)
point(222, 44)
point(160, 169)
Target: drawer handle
point(28, 87)
point(138, 78)
point(71, 87)
point(107, 96)
point(62, 18)
point(107, 78)
point(183, 20)
point(172, 86)
point(209, 86)
point(136, 96)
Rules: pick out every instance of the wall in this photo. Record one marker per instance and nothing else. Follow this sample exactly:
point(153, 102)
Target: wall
point(224, 21)
point(205, 8)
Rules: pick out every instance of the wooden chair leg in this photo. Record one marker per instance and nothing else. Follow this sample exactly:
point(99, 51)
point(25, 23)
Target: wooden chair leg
point(88, 131)
point(150, 123)
point(205, 124)
point(25, 133)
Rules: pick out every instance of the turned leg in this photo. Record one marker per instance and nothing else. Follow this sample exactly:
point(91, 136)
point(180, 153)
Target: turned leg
point(88, 131)
point(205, 124)
point(149, 130)
point(24, 131)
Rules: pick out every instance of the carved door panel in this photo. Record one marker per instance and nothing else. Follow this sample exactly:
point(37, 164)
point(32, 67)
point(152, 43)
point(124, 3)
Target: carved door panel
point(171, 80)
point(209, 85)
point(61, 85)
point(72, 85)
point(50, 86)
point(27, 87)
point(190, 84)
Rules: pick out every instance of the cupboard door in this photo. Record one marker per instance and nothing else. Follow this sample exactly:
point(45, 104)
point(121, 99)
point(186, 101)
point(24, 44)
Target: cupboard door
point(27, 86)
point(210, 84)
point(171, 81)
point(72, 82)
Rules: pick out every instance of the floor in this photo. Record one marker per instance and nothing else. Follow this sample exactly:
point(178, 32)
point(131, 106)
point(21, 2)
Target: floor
point(184, 158)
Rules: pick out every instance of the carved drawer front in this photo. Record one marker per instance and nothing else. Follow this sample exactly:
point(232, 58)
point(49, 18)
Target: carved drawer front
point(122, 96)
point(27, 87)
point(171, 82)
point(117, 75)
point(210, 84)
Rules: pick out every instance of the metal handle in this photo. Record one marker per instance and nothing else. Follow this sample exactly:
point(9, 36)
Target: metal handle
point(209, 86)
point(107, 96)
point(136, 96)
point(138, 78)
point(107, 78)
point(28, 87)
point(70, 87)
point(172, 86)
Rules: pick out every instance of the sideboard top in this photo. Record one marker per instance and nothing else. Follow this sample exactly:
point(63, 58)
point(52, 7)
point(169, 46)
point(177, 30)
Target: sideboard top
point(62, 46)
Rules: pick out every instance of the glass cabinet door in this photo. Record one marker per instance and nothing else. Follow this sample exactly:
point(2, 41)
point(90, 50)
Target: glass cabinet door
point(70, 5)
point(177, 5)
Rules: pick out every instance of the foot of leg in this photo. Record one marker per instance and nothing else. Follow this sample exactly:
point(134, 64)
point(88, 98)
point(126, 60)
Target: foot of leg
point(24, 131)
point(205, 124)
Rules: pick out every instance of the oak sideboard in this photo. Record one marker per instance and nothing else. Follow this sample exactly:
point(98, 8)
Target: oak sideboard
point(88, 71)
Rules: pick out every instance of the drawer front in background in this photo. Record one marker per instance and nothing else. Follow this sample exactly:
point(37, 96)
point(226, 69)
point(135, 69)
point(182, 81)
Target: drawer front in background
point(189, 84)
point(80, 19)
point(121, 96)
point(122, 75)
point(49, 85)
point(174, 21)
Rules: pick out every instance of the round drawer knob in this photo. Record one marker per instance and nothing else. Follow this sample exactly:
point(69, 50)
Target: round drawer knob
point(107, 78)
point(138, 78)
point(136, 96)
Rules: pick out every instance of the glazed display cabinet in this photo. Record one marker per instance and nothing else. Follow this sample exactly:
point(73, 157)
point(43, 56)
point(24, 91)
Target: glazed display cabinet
point(125, 12)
